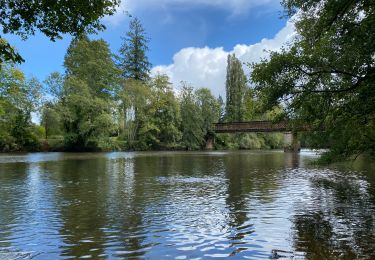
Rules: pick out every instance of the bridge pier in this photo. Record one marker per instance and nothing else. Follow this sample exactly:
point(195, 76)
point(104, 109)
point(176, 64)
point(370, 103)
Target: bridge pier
point(210, 143)
point(291, 143)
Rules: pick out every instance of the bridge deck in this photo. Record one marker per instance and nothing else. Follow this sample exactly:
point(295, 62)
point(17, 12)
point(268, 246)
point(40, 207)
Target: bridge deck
point(253, 126)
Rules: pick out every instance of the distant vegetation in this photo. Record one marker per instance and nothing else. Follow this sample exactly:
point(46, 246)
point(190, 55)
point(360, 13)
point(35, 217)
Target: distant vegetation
point(104, 101)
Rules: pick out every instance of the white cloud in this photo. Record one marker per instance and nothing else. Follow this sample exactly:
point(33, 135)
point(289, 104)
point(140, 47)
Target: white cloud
point(206, 67)
point(234, 7)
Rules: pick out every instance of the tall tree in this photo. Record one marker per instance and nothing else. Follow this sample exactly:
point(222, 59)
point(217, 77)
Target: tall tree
point(52, 18)
point(235, 90)
point(209, 110)
point(133, 60)
point(50, 119)
point(135, 94)
point(159, 125)
point(89, 86)
point(222, 108)
point(91, 62)
point(165, 111)
point(134, 66)
point(18, 98)
point(54, 86)
point(192, 121)
point(326, 77)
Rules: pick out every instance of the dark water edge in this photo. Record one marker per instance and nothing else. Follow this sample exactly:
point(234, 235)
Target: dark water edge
point(185, 205)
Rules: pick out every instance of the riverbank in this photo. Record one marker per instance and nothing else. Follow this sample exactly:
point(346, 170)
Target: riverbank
point(249, 141)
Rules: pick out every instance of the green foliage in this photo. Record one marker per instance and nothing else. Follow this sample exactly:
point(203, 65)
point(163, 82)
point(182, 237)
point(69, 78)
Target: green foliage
point(326, 77)
point(52, 18)
point(8, 53)
point(192, 120)
point(251, 141)
point(250, 105)
point(50, 120)
point(221, 105)
point(91, 62)
point(134, 97)
point(86, 109)
point(86, 118)
point(55, 86)
point(154, 124)
point(17, 100)
point(235, 90)
point(164, 111)
point(133, 61)
point(209, 108)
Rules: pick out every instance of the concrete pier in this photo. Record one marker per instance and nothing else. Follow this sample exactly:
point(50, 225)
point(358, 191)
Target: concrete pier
point(291, 143)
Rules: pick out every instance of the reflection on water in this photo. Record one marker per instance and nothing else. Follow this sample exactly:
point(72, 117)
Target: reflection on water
point(252, 205)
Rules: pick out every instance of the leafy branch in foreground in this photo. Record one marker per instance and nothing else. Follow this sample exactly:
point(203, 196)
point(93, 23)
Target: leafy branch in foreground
point(52, 18)
point(326, 76)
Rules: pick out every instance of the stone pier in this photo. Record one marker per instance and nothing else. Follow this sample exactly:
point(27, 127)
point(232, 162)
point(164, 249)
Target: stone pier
point(210, 143)
point(291, 143)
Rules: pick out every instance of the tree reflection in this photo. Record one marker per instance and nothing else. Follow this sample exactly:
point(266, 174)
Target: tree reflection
point(251, 177)
point(125, 210)
point(340, 224)
point(82, 206)
point(12, 178)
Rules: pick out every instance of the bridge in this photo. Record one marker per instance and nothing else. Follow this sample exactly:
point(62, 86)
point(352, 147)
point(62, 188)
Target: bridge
point(291, 143)
point(252, 126)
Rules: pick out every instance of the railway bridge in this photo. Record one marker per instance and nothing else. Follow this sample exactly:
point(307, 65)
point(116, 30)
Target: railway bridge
point(291, 143)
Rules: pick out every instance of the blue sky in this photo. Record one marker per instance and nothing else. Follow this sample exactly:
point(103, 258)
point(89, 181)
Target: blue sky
point(189, 39)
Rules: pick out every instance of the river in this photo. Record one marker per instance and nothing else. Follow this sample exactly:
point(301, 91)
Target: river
point(185, 205)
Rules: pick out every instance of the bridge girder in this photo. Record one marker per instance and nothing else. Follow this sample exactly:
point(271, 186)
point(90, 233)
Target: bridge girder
point(252, 126)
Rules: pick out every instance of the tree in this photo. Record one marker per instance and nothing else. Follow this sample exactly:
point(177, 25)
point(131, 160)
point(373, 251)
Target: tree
point(133, 61)
point(209, 110)
point(165, 111)
point(235, 90)
point(50, 119)
point(222, 108)
point(191, 119)
point(87, 119)
point(325, 78)
point(158, 120)
point(90, 84)
point(52, 18)
point(134, 66)
point(18, 98)
point(250, 105)
point(54, 86)
point(91, 62)
point(136, 94)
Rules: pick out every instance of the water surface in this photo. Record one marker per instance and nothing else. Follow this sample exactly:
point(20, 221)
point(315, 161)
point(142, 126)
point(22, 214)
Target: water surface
point(197, 205)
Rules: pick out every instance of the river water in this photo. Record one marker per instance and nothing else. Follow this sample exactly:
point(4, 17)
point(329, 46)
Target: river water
point(193, 205)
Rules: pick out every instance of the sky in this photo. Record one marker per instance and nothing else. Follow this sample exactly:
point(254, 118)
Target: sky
point(189, 39)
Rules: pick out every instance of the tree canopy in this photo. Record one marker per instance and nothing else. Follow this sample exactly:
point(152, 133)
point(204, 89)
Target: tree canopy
point(89, 86)
point(326, 76)
point(18, 98)
point(52, 18)
point(235, 87)
point(133, 60)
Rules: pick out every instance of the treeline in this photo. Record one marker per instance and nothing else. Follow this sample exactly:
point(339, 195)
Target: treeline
point(110, 102)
